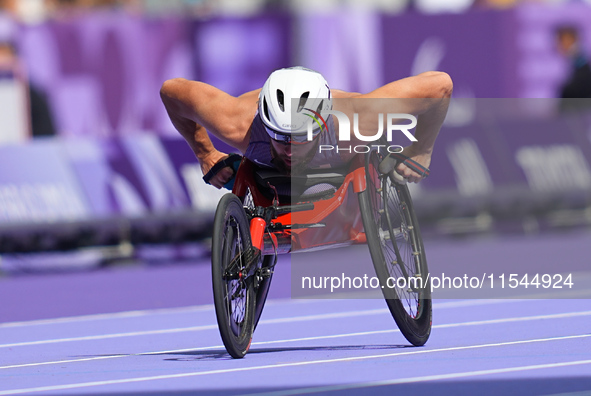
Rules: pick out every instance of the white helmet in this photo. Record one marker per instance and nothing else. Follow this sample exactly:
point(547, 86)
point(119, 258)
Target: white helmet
point(276, 105)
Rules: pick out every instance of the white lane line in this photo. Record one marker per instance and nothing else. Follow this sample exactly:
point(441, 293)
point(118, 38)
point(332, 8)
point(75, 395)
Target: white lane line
point(64, 361)
point(517, 319)
point(140, 313)
point(210, 307)
point(109, 336)
point(314, 338)
point(198, 328)
point(270, 321)
point(133, 314)
point(282, 365)
point(117, 315)
point(425, 378)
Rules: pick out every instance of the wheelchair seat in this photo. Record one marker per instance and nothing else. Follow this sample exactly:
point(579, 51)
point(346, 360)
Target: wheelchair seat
point(313, 185)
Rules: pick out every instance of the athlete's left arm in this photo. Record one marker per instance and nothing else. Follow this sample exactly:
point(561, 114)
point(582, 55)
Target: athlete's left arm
point(428, 97)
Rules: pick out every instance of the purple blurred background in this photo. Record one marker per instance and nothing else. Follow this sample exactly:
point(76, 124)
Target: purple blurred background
point(102, 71)
point(118, 173)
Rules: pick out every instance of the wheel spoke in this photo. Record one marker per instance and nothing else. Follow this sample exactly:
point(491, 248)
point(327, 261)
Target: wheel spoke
point(396, 232)
point(233, 290)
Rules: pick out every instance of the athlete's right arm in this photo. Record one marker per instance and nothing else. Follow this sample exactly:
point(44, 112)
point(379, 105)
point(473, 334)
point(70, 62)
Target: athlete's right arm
point(196, 108)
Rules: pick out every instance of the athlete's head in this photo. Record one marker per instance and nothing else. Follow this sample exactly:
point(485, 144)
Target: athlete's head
point(290, 99)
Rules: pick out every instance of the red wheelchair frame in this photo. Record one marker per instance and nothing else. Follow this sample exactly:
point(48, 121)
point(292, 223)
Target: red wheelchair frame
point(287, 240)
point(364, 206)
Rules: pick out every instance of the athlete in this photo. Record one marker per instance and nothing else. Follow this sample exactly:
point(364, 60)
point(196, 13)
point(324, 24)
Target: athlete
point(264, 127)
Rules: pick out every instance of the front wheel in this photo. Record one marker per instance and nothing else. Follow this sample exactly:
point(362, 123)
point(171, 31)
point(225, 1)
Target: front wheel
point(268, 263)
point(397, 251)
point(233, 290)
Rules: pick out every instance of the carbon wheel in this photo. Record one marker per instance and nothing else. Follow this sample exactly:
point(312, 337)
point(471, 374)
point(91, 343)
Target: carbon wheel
point(397, 251)
point(233, 288)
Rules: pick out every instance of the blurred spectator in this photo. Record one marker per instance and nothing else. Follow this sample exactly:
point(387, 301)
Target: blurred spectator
point(11, 67)
point(497, 4)
point(8, 5)
point(578, 83)
point(28, 11)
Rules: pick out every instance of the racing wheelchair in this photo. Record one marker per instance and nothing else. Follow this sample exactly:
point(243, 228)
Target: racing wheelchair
point(269, 214)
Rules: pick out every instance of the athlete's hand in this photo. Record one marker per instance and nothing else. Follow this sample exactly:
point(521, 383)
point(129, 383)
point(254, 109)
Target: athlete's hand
point(224, 174)
point(408, 174)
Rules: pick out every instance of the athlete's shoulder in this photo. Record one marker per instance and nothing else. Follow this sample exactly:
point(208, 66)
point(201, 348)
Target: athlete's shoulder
point(340, 94)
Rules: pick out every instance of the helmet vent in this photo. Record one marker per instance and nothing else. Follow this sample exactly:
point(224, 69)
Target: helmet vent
point(280, 99)
point(266, 109)
point(303, 100)
point(319, 109)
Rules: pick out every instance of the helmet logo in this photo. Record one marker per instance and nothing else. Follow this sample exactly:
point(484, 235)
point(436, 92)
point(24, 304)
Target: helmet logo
point(317, 118)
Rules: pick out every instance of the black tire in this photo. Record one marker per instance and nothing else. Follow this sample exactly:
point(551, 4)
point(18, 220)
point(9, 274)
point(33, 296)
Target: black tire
point(234, 298)
point(263, 289)
point(387, 209)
